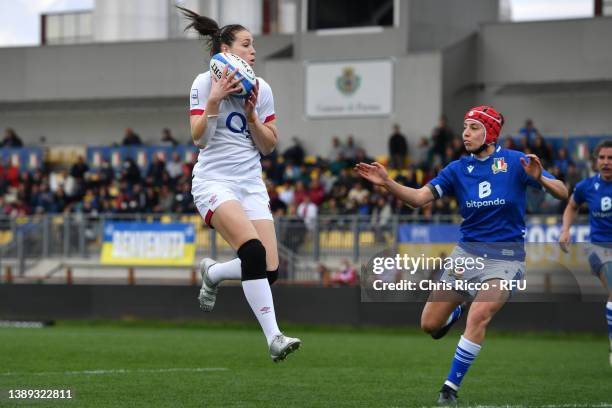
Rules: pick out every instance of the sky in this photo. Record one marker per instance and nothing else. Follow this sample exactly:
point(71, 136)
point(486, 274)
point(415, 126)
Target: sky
point(19, 19)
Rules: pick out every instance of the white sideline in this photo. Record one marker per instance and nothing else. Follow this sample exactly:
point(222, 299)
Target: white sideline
point(597, 405)
point(119, 371)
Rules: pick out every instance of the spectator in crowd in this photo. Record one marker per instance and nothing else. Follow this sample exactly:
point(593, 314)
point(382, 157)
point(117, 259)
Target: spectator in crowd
point(106, 174)
point(398, 148)
point(361, 156)
point(380, 220)
point(286, 194)
point(358, 194)
point(183, 201)
point(423, 153)
point(295, 154)
point(166, 200)
point(131, 172)
point(292, 172)
point(174, 167)
point(11, 174)
point(509, 143)
point(130, 138)
point(157, 171)
point(528, 133)
point(542, 149)
point(308, 212)
point(441, 137)
point(572, 176)
point(562, 161)
point(349, 152)
point(346, 276)
point(300, 193)
point(79, 169)
point(11, 140)
point(167, 139)
point(316, 192)
point(277, 206)
point(338, 164)
point(336, 150)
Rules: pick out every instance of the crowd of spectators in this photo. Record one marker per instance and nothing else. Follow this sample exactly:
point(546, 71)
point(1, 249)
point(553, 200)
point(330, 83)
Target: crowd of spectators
point(297, 185)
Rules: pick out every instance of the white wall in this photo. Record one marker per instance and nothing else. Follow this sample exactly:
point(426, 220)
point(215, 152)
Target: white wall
point(133, 20)
point(417, 105)
point(571, 50)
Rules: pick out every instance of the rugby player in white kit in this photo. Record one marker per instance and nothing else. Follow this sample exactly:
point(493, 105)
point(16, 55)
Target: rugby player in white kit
point(227, 185)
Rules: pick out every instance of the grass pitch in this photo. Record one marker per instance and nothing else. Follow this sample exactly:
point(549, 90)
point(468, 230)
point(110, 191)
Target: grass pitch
point(144, 364)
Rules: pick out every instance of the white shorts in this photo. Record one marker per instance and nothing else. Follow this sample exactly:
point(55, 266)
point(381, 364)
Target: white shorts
point(252, 194)
point(598, 256)
point(493, 269)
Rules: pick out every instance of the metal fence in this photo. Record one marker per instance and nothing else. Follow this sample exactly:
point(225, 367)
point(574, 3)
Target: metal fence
point(24, 241)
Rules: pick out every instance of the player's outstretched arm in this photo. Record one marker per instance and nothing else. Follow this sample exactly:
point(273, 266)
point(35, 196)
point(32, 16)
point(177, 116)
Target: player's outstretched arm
point(568, 219)
point(377, 174)
point(533, 168)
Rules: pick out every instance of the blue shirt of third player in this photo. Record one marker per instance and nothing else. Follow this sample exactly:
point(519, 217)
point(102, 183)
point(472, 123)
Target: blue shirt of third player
point(597, 193)
point(491, 195)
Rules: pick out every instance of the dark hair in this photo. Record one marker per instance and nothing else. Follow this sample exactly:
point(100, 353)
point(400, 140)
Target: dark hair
point(210, 30)
point(604, 144)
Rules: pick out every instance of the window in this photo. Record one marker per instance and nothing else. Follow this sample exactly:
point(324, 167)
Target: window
point(325, 14)
point(67, 28)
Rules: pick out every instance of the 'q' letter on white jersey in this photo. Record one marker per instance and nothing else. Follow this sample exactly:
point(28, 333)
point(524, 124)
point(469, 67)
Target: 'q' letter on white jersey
point(230, 153)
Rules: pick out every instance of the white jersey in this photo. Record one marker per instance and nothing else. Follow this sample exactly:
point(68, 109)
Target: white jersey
point(230, 153)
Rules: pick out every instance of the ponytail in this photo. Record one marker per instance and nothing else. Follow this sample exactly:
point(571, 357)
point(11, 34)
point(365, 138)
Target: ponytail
point(209, 29)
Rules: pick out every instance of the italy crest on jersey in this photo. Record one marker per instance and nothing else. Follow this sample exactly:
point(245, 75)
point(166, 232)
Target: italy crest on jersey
point(499, 164)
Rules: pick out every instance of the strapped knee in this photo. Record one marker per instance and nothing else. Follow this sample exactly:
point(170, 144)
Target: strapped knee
point(272, 276)
point(252, 256)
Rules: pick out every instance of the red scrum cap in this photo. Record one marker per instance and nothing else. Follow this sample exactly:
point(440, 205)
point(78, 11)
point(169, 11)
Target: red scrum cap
point(490, 119)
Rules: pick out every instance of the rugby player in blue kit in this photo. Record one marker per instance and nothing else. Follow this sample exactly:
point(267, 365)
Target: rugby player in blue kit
point(490, 187)
point(596, 193)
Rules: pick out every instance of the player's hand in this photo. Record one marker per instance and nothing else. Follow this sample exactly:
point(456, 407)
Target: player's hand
point(374, 173)
point(250, 103)
point(564, 240)
point(533, 167)
point(224, 87)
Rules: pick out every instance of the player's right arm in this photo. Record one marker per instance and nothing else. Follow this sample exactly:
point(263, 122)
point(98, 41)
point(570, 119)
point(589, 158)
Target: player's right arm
point(377, 174)
point(568, 219)
point(573, 205)
point(205, 100)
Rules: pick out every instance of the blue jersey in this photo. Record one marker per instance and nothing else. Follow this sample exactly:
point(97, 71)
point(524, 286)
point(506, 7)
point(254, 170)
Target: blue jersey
point(597, 193)
point(491, 195)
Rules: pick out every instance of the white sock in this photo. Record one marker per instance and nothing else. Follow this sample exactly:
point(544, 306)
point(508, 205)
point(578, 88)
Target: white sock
point(230, 270)
point(259, 296)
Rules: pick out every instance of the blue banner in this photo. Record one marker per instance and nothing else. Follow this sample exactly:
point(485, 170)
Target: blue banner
point(141, 243)
point(25, 158)
point(142, 155)
point(449, 233)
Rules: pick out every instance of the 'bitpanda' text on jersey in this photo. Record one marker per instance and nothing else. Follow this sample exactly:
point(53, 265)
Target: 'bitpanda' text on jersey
point(491, 195)
point(597, 193)
point(230, 153)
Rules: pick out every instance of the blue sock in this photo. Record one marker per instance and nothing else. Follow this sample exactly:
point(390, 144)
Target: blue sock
point(454, 316)
point(464, 356)
point(609, 318)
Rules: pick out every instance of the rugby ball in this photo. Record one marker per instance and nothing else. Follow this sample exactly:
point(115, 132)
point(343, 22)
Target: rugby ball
point(234, 63)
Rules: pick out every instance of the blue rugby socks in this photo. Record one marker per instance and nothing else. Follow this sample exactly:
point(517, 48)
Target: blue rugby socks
point(464, 356)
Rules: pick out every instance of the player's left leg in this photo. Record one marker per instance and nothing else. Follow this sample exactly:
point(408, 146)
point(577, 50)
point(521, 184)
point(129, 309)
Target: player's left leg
point(483, 308)
point(258, 211)
point(442, 310)
point(605, 275)
point(267, 235)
